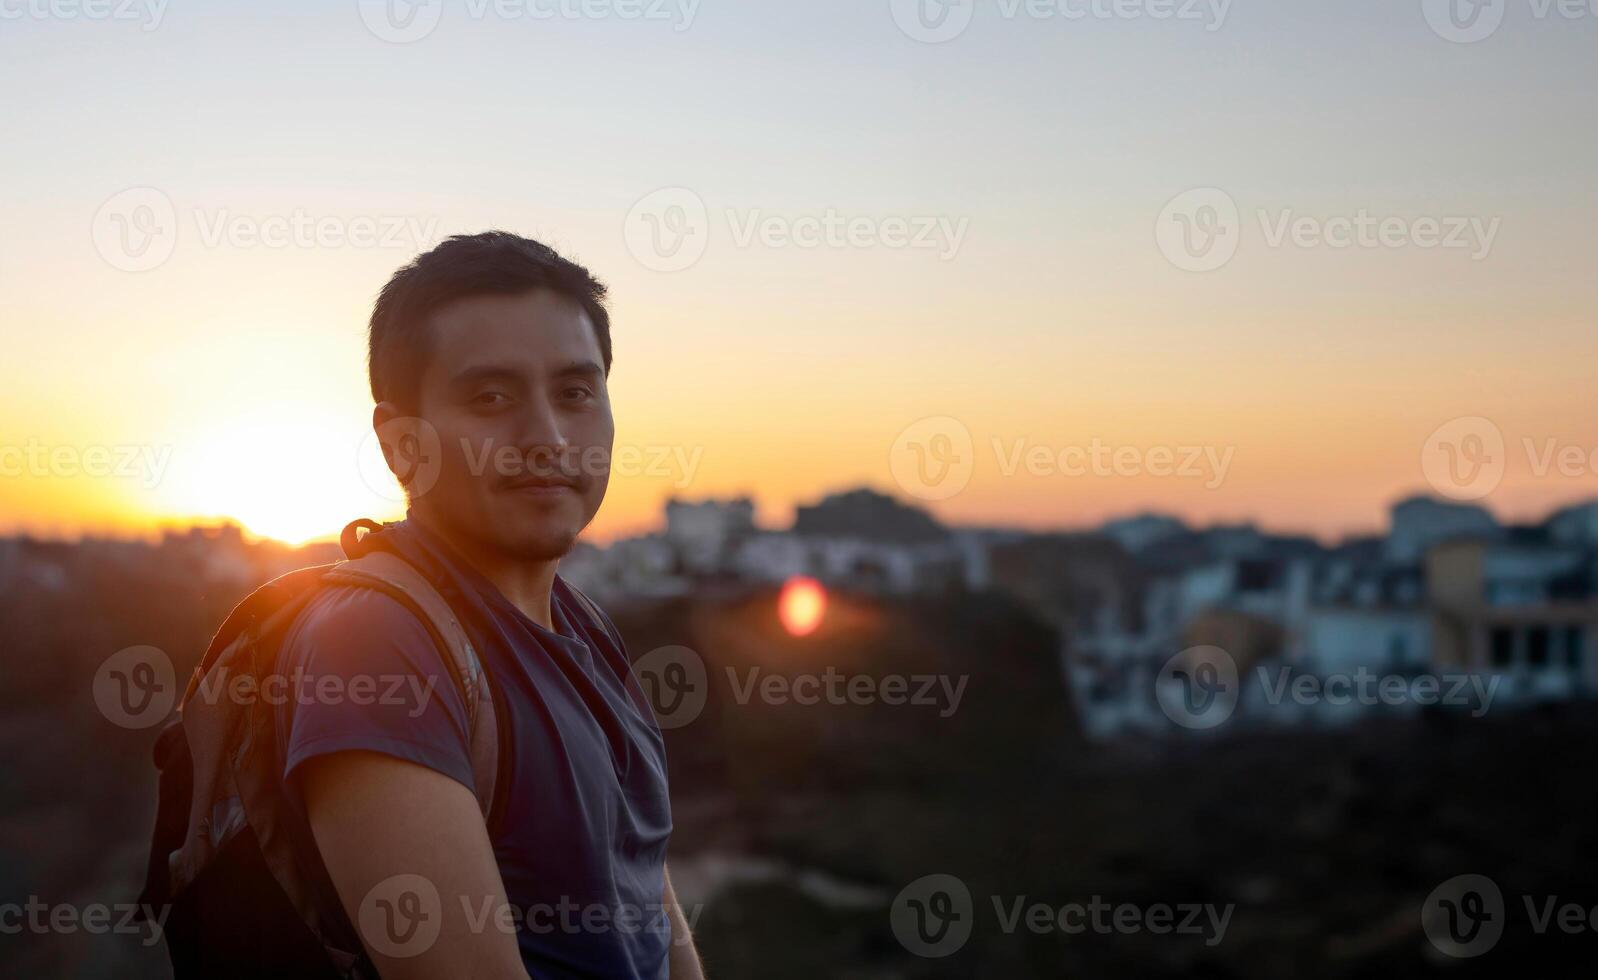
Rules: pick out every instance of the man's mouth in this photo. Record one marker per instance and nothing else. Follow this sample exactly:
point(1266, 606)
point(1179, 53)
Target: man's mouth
point(542, 485)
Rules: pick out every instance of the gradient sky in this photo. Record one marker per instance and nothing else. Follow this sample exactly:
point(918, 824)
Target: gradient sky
point(790, 371)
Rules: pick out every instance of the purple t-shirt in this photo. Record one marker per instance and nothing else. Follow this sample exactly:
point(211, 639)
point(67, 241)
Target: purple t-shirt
point(581, 838)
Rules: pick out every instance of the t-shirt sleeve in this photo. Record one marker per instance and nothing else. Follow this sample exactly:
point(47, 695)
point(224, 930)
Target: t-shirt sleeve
point(359, 671)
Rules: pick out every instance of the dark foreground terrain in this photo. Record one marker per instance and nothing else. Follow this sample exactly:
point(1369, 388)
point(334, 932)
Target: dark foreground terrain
point(799, 824)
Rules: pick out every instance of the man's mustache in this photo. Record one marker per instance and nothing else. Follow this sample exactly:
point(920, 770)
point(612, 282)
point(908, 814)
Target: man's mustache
point(549, 467)
point(575, 466)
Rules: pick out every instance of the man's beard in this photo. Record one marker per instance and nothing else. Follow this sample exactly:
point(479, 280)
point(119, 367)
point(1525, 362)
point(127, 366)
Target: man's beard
point(544, 548)
point(537, 546)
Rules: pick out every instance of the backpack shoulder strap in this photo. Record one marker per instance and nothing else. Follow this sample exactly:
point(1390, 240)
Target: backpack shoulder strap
point(257, 614)
point(390, 574)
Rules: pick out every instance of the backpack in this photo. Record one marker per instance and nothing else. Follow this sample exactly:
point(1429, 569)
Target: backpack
point(230, 860)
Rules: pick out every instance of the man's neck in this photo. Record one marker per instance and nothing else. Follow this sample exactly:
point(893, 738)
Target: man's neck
point(526, 583)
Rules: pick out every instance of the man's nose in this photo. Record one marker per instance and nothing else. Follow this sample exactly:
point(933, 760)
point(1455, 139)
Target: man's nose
point(541, 436)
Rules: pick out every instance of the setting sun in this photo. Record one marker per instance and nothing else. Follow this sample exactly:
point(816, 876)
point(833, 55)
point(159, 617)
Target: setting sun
point(281, 474)
point(801, 605)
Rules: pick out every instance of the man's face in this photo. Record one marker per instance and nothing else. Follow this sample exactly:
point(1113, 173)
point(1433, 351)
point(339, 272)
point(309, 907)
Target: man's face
point(514, 387)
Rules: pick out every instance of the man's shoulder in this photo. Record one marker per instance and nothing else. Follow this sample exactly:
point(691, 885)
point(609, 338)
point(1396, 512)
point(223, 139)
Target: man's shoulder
point(350, 620)
point(360, 672)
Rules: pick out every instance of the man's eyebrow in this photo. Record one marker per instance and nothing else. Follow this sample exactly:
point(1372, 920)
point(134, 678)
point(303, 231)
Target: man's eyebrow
point(580, 369)
point(483, 372)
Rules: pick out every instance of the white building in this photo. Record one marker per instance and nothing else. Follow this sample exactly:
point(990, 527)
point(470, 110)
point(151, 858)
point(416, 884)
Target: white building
point(704, 532)
point(1419, 523)
point(1575, 525)
point(1138, 532)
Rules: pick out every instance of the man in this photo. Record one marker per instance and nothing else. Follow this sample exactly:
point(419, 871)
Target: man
point(489, 358)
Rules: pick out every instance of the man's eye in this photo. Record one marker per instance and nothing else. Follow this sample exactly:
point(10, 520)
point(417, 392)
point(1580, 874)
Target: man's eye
point(490, 398)
point(578, 392)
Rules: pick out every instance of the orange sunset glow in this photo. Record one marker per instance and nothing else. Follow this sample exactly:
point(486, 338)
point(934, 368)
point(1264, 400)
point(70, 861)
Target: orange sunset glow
point(207, 307)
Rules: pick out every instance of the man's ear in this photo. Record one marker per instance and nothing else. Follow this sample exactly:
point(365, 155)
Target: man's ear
point(410, 447)
point(387, 423)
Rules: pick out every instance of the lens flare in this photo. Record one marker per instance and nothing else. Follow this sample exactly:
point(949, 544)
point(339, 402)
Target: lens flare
point(801, 605)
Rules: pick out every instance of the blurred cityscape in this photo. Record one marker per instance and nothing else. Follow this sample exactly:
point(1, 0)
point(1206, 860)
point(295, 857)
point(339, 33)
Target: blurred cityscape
point(1449, 592)
point(1148, 711)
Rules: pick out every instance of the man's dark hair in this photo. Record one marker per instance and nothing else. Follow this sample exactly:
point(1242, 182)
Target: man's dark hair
point(495, 263)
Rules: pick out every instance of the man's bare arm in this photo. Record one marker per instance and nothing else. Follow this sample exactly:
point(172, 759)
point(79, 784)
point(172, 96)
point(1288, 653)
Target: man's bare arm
point(375, 817)
point(683, 959)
